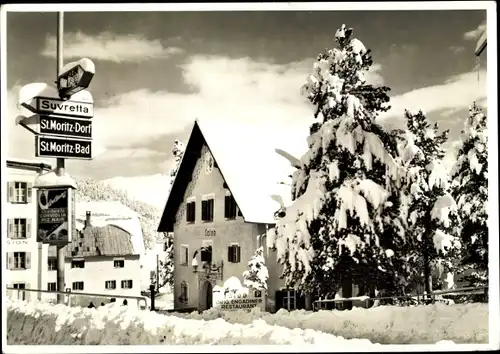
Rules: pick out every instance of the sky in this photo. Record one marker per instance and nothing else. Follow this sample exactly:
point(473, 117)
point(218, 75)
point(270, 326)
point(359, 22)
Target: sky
point(158, 71)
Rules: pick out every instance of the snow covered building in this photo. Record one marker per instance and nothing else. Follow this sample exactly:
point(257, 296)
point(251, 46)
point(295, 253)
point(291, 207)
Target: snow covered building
point(105, 254)
point(219, 209)
point(20, 212)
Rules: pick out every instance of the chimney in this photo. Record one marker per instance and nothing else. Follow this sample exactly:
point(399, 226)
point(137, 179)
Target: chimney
point(87, 219)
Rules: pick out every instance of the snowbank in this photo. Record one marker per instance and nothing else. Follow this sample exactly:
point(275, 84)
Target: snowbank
point(385, 324)
point(35, 323)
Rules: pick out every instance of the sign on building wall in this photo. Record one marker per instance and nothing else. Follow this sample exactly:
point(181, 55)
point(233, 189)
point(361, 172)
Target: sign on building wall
point(54, 208)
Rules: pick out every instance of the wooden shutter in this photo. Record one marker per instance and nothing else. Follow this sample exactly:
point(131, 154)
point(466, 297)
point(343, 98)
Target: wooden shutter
point(10, 260)
point(238, 254)
point(28, 228)
point(188, 212)
point(27, 293)
point(279, 299)
point(211, 209)
point(229, 254)
point(29, 191)
point(28, 260)
point(11, 190)
point(204, 213)
point(227, 201)
point(10, 228)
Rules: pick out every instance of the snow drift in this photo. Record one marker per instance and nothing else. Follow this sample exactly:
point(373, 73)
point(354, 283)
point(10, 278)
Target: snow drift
point(428, 324)
point(35, 323)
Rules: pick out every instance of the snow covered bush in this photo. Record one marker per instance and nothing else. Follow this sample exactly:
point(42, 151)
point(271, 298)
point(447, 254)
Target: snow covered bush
point(90, 190)
point(166, 265)
point(343, 225)
point(470, 189)
point(430, 212)
point(178, 152)
point(256, 275)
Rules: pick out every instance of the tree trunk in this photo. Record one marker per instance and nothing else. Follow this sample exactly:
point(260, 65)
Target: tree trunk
point(347, 290)
point(427, 275)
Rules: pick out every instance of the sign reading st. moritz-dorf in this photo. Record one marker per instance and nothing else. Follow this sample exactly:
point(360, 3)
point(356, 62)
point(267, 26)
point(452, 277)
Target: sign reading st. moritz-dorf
point(45, 105)
point(47, 146)
point(81, 128)
point(54, 222)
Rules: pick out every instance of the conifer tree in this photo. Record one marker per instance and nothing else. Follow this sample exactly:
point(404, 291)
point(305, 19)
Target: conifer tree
point(431, 218)
point(256, 274)
point(470, 189)
point(343, 225)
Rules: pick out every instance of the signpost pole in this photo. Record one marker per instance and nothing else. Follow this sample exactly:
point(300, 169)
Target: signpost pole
point(60, 161)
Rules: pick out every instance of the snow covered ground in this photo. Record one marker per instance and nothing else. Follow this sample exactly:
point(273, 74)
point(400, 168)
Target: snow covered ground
point(41, 323)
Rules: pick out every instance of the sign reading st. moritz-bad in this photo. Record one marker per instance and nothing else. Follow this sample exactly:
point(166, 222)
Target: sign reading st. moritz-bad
point(51, 105)
point(47, 146)
point(81, 128)
point(53, 215)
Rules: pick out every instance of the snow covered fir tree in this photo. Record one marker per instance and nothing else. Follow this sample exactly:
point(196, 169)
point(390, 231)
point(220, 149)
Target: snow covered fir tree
point(343, 226)
point(256, 274)
point(470, 189)
point(430, 212)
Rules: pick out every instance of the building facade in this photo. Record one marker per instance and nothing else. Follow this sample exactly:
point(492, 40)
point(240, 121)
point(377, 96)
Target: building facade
point(24, 254)
point(217, 226)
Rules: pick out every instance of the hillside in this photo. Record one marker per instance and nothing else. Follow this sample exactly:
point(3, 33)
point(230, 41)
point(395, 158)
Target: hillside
point(90, 190)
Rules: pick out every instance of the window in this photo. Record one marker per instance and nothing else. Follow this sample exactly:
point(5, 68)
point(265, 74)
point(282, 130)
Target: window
point(229, 206)
point(110, 284)
point(126, 284)
point(19, 260)
point(190, 210)
point(289, 300)
point(184, 256)
point(77, 285)
point(234, 253)
point(19, 228)
point(51, 286)
point(207, 208)
point(206, 251)
point(183, 298)
point(19, 192)
point(119, 263)
point(19, 286)
point(78, 264)
point(52, 263)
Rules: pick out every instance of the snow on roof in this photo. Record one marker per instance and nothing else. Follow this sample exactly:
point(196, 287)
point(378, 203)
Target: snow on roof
point(250, 165)
point(104, 208)
point(51, 179)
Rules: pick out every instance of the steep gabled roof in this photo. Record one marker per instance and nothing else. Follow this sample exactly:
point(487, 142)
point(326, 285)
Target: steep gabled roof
point(248, 162)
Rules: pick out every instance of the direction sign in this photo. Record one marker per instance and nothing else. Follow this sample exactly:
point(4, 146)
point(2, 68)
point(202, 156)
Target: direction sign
point(76, 76)
point(48, 146)
point(49, 105)
point(71, 127)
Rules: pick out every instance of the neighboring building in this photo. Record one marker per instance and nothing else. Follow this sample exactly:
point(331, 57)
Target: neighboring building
point(219, 209)
point(23, 253)
point(105, 254)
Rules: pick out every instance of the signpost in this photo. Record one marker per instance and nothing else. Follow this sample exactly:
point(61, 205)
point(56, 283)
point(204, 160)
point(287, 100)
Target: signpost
point(63, 130)
point(49, 146)
point(54, 220)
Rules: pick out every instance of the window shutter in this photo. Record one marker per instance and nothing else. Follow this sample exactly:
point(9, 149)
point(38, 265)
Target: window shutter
point(28, 228)
point(238, 254)
point(193, 211)
point(204, 213)
point(188, 212)
point(10, 260)
point(229, 254)
point(29, 190)
point(27, 293)
point(10, 228)
point(279, 299)
point(28, 260)
point(227, 200)
point(211, 209)
point(11, 188)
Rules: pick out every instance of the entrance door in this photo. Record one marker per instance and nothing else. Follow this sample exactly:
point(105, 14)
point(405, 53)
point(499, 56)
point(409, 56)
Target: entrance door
point(209, 294)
